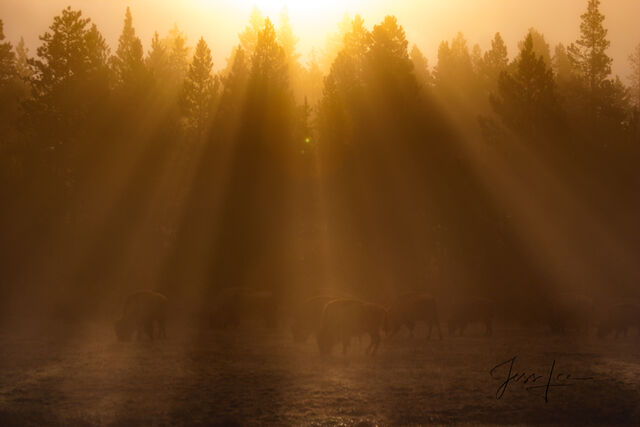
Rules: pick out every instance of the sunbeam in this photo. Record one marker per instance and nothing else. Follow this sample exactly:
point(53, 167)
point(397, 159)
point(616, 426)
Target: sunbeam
point(319, 212)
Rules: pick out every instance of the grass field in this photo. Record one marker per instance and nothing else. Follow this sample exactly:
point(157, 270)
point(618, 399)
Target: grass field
point(252, 377)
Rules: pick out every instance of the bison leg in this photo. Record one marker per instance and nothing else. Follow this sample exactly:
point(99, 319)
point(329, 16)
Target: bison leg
point(322, 340)
point(345, 344)
point(148, 329)
point(439, 330)
point(140, 330)
point(375, 342)
point(489, 330)
point(162, 332)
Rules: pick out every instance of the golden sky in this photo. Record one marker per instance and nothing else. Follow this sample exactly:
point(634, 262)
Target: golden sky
point(426, 22)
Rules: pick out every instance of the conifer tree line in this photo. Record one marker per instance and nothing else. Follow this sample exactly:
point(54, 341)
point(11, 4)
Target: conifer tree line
point(367, 165)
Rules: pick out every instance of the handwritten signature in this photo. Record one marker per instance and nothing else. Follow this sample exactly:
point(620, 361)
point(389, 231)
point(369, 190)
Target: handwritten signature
point(530, 380)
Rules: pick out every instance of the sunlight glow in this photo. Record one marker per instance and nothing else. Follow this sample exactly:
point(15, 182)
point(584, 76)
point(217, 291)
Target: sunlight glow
point(307, 8)
point(303, 13)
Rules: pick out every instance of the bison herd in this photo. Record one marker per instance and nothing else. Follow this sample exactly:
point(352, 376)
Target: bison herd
point(336, 319)
point(144, 314)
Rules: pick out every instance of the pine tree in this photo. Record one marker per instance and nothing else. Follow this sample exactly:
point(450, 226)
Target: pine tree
point(7, 59)
point(526, 100)
point(236, 80)
point(128, 62)
point(421, 67)
point(249, 36)
point(497, 58)
point(570, 91)
point(562, 66)
point(270, 100)
point(333, 123)
point(477, 61)
point(269, 67)
point(357, 41)
point(335, 43)
point(70, 84)
point(167, 62)
point(495, 61)
point(234, 91)
point(199, 90)
point(178, 51)
point(589, 53)
point(389, 42)
point(344, 90)
point(97, 50)
point(22, 61)
point(158, 61)
point(634, 59)
point(8, 99)
point(71, 63)
point(390, 64)
point(540, 46)
point(456, 80)
point(454, 62)
point(287, 39)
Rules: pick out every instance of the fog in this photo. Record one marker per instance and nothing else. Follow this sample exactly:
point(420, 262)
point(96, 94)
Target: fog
point(426, 22)
point(422, 222)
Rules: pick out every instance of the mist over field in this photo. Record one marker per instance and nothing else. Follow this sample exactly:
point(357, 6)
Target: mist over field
point(363, 234)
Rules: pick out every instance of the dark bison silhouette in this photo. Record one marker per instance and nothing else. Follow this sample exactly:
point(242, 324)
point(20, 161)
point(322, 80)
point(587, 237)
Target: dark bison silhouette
point(345, 318)
point(619, 319)
point(307, 317)
point(144, 314)
point(411, 308)
point(569, 312)
point(468, 310)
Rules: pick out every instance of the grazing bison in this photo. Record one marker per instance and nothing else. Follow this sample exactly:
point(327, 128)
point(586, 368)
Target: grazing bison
point(566, 311)
point(345, 318)
point(469, 310)
point(144, 313)
point(307, 318)
point(619, 319)
point(235, 305)
point(411, 308)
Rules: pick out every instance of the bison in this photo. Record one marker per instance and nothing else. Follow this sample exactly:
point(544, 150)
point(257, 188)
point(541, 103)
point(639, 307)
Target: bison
point(345, 318)
point(411, 308)
point(307, 318)
point(468, 310)
point(144, 313)
point(619, 319)
point(235, 305)
point(567, 311)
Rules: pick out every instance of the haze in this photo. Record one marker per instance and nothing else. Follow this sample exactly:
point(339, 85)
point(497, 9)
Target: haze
point(427, 22)
point(205, 222)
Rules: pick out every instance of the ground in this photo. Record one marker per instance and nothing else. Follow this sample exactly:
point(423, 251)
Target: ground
point(262, 377)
